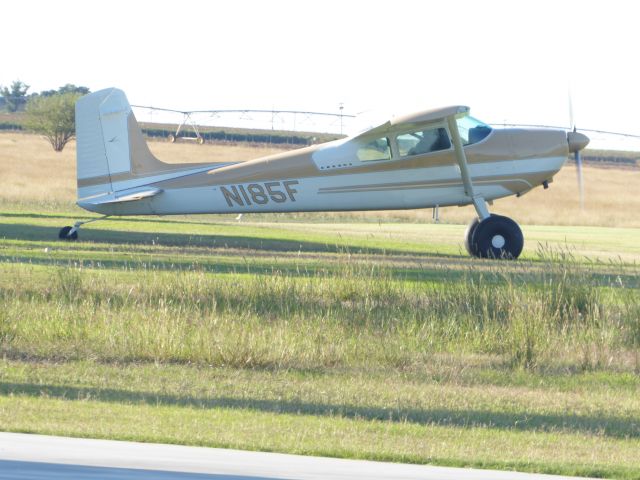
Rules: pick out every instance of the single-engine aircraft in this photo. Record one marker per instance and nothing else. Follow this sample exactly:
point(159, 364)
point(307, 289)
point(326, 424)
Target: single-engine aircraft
point(432, 158)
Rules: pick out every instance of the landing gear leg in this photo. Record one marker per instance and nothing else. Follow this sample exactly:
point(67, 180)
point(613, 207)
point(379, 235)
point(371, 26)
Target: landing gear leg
point(71, 233)
point(488, 236)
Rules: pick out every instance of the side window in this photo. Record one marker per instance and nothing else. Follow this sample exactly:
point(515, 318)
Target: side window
point(423, 141)
point(375, 150)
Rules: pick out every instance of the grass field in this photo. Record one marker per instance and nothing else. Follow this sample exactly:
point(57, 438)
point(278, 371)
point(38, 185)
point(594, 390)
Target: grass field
point(371, 339)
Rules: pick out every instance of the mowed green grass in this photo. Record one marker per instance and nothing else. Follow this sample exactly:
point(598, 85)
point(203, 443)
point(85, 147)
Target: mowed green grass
point(367, 340)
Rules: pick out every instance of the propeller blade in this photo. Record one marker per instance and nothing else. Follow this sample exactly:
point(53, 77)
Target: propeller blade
point(576, 142)
point(578, 158)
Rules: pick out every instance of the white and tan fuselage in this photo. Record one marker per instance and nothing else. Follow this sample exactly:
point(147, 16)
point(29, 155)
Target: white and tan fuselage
point(327, 177)
point(431, 158)
point(281, 185)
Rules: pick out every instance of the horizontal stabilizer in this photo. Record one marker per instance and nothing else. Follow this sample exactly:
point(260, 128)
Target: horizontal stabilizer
point(130, 195)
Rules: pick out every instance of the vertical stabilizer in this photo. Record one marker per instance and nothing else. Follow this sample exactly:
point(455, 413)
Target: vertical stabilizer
point(110, 146)
point(102, 137)
point(92, 164)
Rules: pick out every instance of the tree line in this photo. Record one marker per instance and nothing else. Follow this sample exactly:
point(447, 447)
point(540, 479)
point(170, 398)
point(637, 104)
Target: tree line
point(15, 97)
point(50, 112)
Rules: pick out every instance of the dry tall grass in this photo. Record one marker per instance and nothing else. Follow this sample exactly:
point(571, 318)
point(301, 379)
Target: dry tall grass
point(30, 171)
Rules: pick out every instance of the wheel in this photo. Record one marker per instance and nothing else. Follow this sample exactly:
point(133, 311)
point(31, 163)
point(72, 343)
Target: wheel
point(172, 138)
point(497, 237)
point(468, 235)
point(63, 234)
point(200, 140)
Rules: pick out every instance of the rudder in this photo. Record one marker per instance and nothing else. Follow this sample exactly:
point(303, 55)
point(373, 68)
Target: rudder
point(91, 156)
point(113, 158)
point(110, 146)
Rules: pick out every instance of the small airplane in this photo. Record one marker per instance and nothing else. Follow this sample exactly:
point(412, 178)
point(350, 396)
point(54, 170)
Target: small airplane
point(432, 158)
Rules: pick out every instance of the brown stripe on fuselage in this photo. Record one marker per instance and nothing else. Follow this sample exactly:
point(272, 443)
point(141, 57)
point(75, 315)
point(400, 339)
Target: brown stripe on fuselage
point(121, 177)
point(299, 164)
point(294, 164)
point(501, 146)
point(514, 184)
point(421, 184)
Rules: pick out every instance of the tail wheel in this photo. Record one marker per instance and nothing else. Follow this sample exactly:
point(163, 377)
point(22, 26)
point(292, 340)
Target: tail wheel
point(496, 237)
point(63, 234)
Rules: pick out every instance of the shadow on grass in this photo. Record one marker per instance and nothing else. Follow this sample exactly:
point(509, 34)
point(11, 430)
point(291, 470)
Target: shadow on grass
point(247, 245)
point(611, 426)
point(72, 218)
point(249, 242)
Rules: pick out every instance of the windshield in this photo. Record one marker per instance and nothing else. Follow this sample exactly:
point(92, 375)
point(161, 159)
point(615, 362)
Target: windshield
point(472, 130)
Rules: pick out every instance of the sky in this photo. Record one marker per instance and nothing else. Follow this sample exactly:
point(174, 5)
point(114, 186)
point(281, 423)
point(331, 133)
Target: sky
point(510, 61)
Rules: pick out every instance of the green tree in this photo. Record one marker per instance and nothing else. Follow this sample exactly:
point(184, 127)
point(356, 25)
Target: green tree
point(71, 88)
point(54, 117)
point(15, 96)
point(68, 88)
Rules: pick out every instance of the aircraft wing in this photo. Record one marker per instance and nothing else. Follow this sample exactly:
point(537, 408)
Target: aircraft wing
point(414, 120)
point(374, 131)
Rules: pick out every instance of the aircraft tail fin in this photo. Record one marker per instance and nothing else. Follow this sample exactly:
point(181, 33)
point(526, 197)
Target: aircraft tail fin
point(110, 146)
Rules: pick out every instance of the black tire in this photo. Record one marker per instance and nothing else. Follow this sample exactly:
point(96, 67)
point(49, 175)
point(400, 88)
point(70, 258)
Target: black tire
point(497, 237)
point(63, 234)
point(468, 236)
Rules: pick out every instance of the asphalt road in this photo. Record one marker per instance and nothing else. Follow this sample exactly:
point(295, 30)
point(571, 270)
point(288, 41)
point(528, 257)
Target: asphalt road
point(31, 457)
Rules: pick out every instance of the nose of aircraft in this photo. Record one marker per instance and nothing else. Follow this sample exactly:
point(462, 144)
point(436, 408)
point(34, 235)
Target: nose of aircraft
point(577, 141)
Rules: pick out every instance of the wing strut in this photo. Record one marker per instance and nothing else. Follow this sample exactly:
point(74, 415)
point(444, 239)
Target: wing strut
point(478, 201)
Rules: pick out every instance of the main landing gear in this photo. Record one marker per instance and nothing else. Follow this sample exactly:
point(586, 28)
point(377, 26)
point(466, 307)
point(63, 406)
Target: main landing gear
point(494, 237)
point(71, 233)
point(488, 236)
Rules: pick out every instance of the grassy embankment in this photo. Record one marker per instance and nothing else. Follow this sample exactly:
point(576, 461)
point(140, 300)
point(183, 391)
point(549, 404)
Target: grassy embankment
point(356, 340)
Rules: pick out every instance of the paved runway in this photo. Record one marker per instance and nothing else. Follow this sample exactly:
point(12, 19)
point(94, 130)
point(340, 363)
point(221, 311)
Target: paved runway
point(37, 457)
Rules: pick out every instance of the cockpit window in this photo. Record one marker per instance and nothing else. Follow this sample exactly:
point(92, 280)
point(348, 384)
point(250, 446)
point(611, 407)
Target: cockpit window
point(423, 141)
point(378, 149)
point(472, 130)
